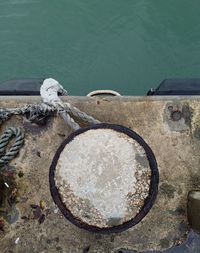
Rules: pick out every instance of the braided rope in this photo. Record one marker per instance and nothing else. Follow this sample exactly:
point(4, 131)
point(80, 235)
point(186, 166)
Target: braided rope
point(4, 115)
point(69, 120)
point(14, 150)
point(51, 104)
point(82, 115)
point(34, 111)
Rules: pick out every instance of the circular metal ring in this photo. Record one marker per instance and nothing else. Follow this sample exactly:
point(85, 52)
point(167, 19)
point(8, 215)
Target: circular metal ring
point(152, 190)
point(103, 92)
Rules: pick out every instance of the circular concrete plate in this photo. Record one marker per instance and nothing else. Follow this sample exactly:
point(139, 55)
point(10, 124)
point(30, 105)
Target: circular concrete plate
point(104, 178)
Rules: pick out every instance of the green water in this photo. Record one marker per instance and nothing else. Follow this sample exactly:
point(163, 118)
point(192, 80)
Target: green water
point(125, 45)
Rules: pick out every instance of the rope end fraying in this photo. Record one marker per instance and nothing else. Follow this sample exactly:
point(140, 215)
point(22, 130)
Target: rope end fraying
point(49, 92)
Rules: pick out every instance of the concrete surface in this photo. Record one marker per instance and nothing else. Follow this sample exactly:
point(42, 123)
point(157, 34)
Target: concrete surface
point(171, 127)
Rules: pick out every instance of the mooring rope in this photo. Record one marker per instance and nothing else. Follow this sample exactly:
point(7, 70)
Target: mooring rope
point(51, 104)
point(49, 94)
point(79, 114)
point(69, 120)
point(14, 150)
point(32, 111)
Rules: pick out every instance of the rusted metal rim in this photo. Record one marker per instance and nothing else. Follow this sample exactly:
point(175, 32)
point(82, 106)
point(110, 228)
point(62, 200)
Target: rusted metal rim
point(152, 191)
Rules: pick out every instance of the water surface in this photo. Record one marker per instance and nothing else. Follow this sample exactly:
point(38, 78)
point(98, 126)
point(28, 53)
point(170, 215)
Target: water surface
point(125, 45)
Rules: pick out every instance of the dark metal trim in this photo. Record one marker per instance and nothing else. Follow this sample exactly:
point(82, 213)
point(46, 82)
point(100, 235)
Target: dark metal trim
point(19, 93)
point(148, 202)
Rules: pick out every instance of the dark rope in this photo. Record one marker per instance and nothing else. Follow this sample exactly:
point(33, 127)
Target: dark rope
point(16, 146)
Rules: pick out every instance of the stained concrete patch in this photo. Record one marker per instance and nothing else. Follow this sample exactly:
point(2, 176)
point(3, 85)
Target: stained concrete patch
point(192, 245)
point(178, 116)
point(177, 211)
point(167, 190)
point(164, 243)
point(38, 127)
point(142, 160)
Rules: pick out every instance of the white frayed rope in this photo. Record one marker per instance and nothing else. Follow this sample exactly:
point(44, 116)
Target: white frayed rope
point(49, 93)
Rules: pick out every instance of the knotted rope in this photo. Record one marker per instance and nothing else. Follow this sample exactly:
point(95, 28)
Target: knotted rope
point(14, 150)
point(49, 94)
point(51, 104)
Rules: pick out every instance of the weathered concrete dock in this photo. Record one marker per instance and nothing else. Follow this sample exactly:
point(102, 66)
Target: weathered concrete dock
point(170, 126)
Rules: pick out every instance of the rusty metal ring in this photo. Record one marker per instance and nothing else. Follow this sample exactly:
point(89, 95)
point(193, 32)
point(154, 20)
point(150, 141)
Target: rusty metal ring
point(148, 202)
